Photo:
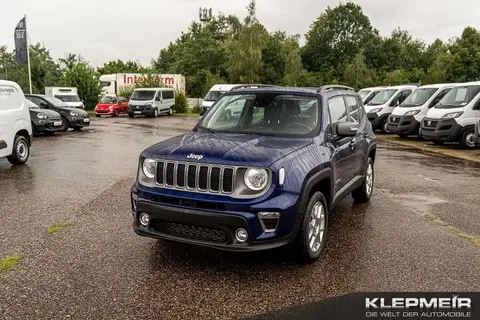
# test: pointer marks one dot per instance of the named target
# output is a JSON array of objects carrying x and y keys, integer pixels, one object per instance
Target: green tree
[
  {"x": 357, "y": 74},
  {"x": 465, "y": 51},
  {"x": 86, "y": 80},
  {"x": 119, "y": 66},
  {"x": 294, "y": 73}
]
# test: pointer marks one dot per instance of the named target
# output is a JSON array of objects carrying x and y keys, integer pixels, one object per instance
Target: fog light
[
  {"x": 241, "y": 235},
  {"x": 144, "y": 219}
]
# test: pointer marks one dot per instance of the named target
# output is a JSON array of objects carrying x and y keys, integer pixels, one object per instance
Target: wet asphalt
[{"x": 420, "y": 232}]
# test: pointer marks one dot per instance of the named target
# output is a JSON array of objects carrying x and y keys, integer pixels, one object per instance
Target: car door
[
  {"x": 341, "y": 147},
  {"x": 359, "y": 144},
  {"x": 124, "y": 104},
  {"x": 168, "y": 99}
]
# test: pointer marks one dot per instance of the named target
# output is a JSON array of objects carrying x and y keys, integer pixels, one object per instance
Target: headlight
[
  {"x": 41, "y": 116},
  {"x": 110, "y": 108},
  {"x": 412, "y": 113},
  {"x": 74, "y": 114},
  {"x": 375, "y": 110},
  {"x": 452, "y": 115},
  {"x": 148, "y": 168},
  {"x": 256, "y": 179}
]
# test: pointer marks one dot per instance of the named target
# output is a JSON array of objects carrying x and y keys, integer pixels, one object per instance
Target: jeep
[{"x": 263, "y": 179}]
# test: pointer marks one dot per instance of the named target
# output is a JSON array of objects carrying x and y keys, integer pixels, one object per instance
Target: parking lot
[{"x": 420, "y": 232}]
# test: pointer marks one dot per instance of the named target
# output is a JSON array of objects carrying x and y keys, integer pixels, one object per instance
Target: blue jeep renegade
[{"x": 262, "y": 169}]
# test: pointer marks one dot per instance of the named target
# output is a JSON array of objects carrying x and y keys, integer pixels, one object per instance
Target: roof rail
[
  {"x": 329, "y": 87},
  {"x": 245, "y": 86}
]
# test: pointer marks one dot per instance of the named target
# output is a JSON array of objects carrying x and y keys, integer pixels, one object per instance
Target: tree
[
  {"x": 86, "y": 80},
  {"x": 465, "y": 51},
  {"x": 245, "y": 52},
  {"x": 357, "y": 74},
  {"x": 335, "y": 38},
  {"x": 295, "y": 74},
  {"x": 120, "y": 67}
]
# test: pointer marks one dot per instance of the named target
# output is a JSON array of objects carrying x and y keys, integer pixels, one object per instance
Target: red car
[{"x": 111, "y": 106}]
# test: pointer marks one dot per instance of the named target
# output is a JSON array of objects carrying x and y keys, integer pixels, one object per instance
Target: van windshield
[
  {"x": 143, "y": 95},
  {"x": 363, "y": 93},
  {"x": 418, "y": 97},
  {"x": 213, "y": 95},
  {"x": 264, "y": 113},
  {"x": 68, "y": 98},
  {"x": 458, "y": 97},
  {"x": 382, "y": 97}
]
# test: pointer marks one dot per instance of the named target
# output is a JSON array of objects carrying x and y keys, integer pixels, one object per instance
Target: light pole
[{"x": 205, "y": 15}]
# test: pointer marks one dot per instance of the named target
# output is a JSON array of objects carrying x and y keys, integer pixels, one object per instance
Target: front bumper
[
  {"x": 376, "y": 120},
  {"x": 141, "y": 110},
  {"x": 441, "y": 130},
  {"x": 404, "y": 125},
  {"x": 47, "y": 125},
  {"x": 105, "y": 112},
  {"x": 196, "y": 223},
  {"x": 79, "y": 122}
]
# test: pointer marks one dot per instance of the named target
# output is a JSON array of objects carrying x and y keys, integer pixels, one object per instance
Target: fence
[{"x": 192, "y": 102}]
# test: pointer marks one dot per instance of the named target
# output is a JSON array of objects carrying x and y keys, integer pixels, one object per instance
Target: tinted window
[
  {"x": 168, "y": 94},
  {"x": 354, "y": 108},
  {"x": 338, "y": 112},
  {"x": 405, "y": 95},
  {"x": 143, "y": 95}
]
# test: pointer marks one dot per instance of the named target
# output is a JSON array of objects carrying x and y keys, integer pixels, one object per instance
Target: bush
[
  {"x": 196, "y": 108},
  {"x": 126, "y": 91},
  {"x": 181, "y": 103}
]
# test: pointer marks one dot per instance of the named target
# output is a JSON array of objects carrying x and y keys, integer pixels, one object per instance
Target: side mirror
[
  {"x": 347, "y": 129},
  {"x": 43, "y": 104}
]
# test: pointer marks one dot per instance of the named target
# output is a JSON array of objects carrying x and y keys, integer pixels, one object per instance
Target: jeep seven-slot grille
[{"x": 195, "y": 177}]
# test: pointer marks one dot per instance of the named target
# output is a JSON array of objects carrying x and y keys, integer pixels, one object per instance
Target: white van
[
  {"x": 367, "y": 94},
  {"x": 15, "y": 125},
  {"x": 454, "y": 117},
  {"x": 382, "y": 105},
  {"x": 406, "y": 118},
  {"x": 151, "y": 102},
  {"x": 213, "y": 94},
  {"x": 69, "y": 95}
]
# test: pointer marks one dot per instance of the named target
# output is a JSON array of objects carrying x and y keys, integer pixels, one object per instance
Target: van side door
[
  {"x": 157, "y": 101},
  {"x": 359, "y": 144},
  {"x": 168, "y": 99}
]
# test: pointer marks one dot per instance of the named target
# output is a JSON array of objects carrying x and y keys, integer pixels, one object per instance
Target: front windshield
[
  {"x": 56, "y": 102},
  {"x": 458, "y": 97},
  {"x": 418, "y": 97},
  {"x": 68, "y": 98},
  {"x": 275, "y": 114},
  {"x": 213, "y": 95},
  {"x": 382, "y": 97},
  {"x": 143, "y": 95},
  {"x": 363, "y": 93},
  {"x": 109, "y": 100}
]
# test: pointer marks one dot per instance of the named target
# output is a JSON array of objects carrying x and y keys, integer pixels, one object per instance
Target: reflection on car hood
[
  {"x": 77, "y": 110},
  {"x": 228, "y": 149},
  {"x": 47, "y": 112}
]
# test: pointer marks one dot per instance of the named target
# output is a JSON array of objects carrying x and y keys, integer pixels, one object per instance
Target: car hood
[
  {"x": 140, "y": 102},
  {"x": 400, "y": 111},
  {"x": 77, "y": 110},
  {"x": 227, "y": 149},
  {"x": 49, "y": 113}
]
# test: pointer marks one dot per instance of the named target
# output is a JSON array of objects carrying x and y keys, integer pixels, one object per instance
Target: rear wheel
[
  {"x": 20, "y": 152},
  {"x": 468, "y": 138},
  {"x": 155, "y": 113},
  {"x": 364, "y": 192},
  {"x": 313, "y": 232}
]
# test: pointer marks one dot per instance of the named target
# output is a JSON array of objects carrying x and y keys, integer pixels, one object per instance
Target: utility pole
[{"x": 205, "y": 15}]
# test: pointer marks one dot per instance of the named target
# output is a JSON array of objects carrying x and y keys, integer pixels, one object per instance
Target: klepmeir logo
[{"x": 6, "y": 90}]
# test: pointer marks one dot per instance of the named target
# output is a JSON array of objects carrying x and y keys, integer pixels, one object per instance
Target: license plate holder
[
  {"x": 86, "y": 120},
  {"x": 57, "y": 123}
]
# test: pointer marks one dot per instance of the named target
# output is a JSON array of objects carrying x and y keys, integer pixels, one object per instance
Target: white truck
[
  {"x": 111, "y": 83},
  {"x": 69, "y": 95}
]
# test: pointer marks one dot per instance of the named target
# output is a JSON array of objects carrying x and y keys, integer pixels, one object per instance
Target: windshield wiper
[{"x": 207, "y": 129}]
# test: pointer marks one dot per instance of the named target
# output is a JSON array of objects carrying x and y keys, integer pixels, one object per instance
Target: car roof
[
  {"x": 152, "y": 89},
  {"x": 374, "y": 88},
  {"x": 226, "y": 86},
  {"x": 10, "y": 83},
  {"x": 292, "y": 90}
]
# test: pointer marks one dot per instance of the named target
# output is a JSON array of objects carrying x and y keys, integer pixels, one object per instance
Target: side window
[
  {"x": 338, "y": 112},
  {"x": 371, "y": 97},
  {"x": 439, "y": 97},
  {"x": 405, "y": 94},
  {"x": 354, "y": 108},
  {"x": 258, "y": 114},
  {"x": 167, "y": 94}
]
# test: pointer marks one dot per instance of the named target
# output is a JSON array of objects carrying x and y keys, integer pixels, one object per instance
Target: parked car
[
  {"x": 151, "y": 102},
  {"x": 455, "y": 116},
  {"x": 15, "y": 125},
  {"x": 406, "y": 118},
  {"x": 43, "y": 120},
  {"x": 213, "y": 94},
  {"x": 111, "y": 106},
  {"x": 265, "y": 180},
  {"x": 380, "y": 107},
  {"x": 367, "y": 94},
  {"x": 74, "y": 118}
]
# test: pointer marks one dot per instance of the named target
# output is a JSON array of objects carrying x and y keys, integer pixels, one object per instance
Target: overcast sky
[{"x": 104, "y": 30}]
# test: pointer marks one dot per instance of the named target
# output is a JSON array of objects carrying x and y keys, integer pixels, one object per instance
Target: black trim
[
  {"x": 377, "y": 120},
  {"x": 445, "y": 130},
  {"x": 406, "y": 125},
  {"x": 225, "y": 222},
  {"x": 3, "y": 144},
  {"x": 310, "y": 183}
]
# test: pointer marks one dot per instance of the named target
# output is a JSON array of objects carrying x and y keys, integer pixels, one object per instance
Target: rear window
[
  {"x": 10, "y": 98},
  {"x": 167, "y": 94}
]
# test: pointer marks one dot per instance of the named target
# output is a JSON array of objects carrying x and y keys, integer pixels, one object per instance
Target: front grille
[
  {"x": 55, "y": 118},
  {"x": 195, "y": 177},
  {"x": 189, "y": 231},
  {"x": 394, "y": 119},
  {"x": 430, "y": 123}
]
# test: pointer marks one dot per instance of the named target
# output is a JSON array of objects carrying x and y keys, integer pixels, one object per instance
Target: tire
[
  {"x": 309, "y": 254},
  {"x": 467, "y": 139},
  {"x": 170, "y": 111},
  {"x": 130, "y": 115},
  {"x": 116, "y": 114},
  {"x": 155, "y": 113},
  {"x": 363, "y": 193},
  {"x": 20, "y": 151},
  {"x": 384, "y": 127},
  {"x": 65, "y": 125},
  {"x": 97, "y": 115}
]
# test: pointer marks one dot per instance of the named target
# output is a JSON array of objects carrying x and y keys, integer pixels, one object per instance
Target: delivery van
[
  {"x": 382, "y": 105},
  {"x": 15, "y": 125},
  {"x": 367, "y": 94},
  {"x": 213, "y": 94},
  {"x": 406, "y": 118},
  {"x": 69, "y": 95},
  {"x": 151, "y": 102},
  {"x": 454, "y": 118}
]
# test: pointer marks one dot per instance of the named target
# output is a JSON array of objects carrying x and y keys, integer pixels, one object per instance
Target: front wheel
[
  {"x": 170, "y": 111},
  {"x": 20, "y": 152},
  {"x": 155, "y": 113},
  {"x": 116, "y": 114},
  {"x": 364, "y": 192},
  {"x": 312, "y": 235},
  {"x": 65, "y": 125},
  {"x": 468, "y": 138},
  {"x": 384, "y": 127}
]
